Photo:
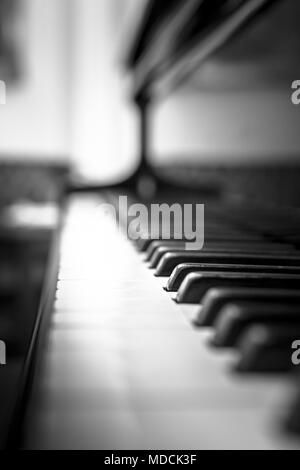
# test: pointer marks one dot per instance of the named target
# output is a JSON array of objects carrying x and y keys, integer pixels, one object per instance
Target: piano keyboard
[{"x": 153, "y": 347}]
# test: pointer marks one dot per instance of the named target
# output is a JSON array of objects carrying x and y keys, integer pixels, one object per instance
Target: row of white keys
[{"x": 123, "y": 368}]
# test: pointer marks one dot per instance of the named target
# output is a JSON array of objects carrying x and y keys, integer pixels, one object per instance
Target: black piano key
[
  {"x": 217, "y": 298},
  {"x": 181, "y": 271},
  {"x": 235, "y": 319},
  {"x": 196, "y": 285},
  {"x": 157, "y": 233},
  {"x": 218, "y": 244},
  {"x": 144, "y": 242},
  {"x": 267, "y": 348},
  {"x": 165, "y": 244},
  {"x": 171, "y": 260},
  {"x": 214, "y": 248}
]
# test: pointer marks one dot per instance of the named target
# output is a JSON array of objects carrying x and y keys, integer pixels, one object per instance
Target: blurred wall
[
  {"x": 104, "y": 129},
  {"x": 227, "y": 127},
  {"x": 35, "y": 120}
]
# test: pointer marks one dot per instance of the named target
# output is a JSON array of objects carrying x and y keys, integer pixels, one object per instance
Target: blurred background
[
  {"x": 65, "y": 99},
  {"x": 68, "y": 96}
]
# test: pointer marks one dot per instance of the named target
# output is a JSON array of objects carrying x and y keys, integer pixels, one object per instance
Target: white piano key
[{"x": 123, "y": 367}]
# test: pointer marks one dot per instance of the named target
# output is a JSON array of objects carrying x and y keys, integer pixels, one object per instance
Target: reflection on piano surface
[{"x": 150, "y": 345}]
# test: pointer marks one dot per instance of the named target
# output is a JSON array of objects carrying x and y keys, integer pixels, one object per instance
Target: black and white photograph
[{"x": 150, "y": 228}]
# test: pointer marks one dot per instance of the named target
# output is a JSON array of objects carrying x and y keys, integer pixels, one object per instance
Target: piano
[{"x": 145, "y": 344}]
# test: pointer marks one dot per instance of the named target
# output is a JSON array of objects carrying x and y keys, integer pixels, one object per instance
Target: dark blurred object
[
  {"x": 30, "y": 199},
  {"x": 171, "y": 45},
  {"x": 220, "y": 46},
  {"x": 272, "y": 183},
  {"x": 34, "y": 182},
  {"x": 23, "y": 262},
  {"x": 9, "y": 63}
]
